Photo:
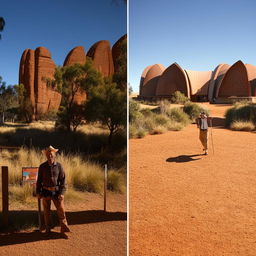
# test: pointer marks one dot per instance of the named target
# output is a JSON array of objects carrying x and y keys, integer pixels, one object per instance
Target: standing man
[
  {"x": 51, "y": 186},
  {"x": 203, "y": 125}
]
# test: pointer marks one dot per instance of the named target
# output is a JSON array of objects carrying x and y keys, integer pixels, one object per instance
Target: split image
[{"x": 62, "y": 138}]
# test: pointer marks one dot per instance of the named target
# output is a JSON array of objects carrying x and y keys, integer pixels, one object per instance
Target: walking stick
[
  {"x": 39, "y": 213},
  {"x": 212, "y": 138}
]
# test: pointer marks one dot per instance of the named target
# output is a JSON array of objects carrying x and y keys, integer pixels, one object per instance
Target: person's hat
[{"x": 50, "y": 149}]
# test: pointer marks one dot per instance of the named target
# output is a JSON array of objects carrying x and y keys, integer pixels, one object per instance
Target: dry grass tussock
[
  {"x": 81, "y": 175},
  {"x": 50, "y": 126},
  {"x": 242, "y": 126},
  {"x": 164, "y": 118}
]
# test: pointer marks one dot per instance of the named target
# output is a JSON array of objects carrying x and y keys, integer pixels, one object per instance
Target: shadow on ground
[
  {"x": 9, "y": 237},
  {"x": 183, "y": 158},
  {"x": 218, "y": 122}
]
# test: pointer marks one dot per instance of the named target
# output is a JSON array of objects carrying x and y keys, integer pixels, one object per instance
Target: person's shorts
[{"x": 48, "y": 193}]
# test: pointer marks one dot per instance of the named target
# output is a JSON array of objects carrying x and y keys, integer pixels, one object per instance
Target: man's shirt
[
  {"x": 203, "y": 123},
  {"x": 51, "y": 176}
]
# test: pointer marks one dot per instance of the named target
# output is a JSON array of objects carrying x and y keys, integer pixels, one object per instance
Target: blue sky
[
  {"x": 197, "y": 34},
  {"x": 58, "y": 25}
]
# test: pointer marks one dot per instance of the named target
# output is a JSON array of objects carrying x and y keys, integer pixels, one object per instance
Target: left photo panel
[{"x": 63, "y": 127}]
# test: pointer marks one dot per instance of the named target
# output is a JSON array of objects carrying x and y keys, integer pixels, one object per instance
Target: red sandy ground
[
  {"x": 93, "y": 232},
  {"x": 183, "y": 204}
]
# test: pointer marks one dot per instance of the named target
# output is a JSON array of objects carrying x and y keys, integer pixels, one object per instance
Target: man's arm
[
  {"x": 198, "y": 122},
  {"x": 39, "y": 181},
  {"x": 61, "y": 180}
]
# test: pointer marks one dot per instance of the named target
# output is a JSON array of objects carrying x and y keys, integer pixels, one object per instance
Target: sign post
[
  {"x": 5, "y": 198},
  {"x": 105, "y": 187}
]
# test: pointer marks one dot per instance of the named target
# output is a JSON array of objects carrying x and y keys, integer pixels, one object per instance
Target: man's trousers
[
  {"x": 59, "y": 204},
  {"x": 203, "y": 136}
]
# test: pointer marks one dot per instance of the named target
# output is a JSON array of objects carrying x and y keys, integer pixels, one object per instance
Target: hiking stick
[
  {"x": 39, "y": 213},
  {"x": 212, "y": 138}
]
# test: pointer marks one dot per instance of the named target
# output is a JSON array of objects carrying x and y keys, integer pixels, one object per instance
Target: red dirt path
[
  {"x": 182, "y": 203},
  {"x": 93, "y": 232}
]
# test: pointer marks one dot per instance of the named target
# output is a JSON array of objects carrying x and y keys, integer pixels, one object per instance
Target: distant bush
[
  {"x": 193, "y": 110},
  {"x": 242, "y": 126},
  {"x": 242, "y": 112},
  {"x": 164, "y": 106},
  {"x": 158, "y": 121},
  {"x": 178, "y": 115},
  {"x": 179, "y": 98},
  {"x": 134, "y": 108}
]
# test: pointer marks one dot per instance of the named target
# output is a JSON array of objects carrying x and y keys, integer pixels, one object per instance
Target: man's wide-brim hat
[{"x": 50, "y": 149}]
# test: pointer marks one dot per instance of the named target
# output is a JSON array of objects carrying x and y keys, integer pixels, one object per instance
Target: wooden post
[
  {"x": 105, "y": 187},
  {"x": 5, "y": 199}
]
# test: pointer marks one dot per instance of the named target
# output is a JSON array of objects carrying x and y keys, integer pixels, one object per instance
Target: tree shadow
[
  {"x": 183, "y": 158},
  {"x": 10, "y": 237}
]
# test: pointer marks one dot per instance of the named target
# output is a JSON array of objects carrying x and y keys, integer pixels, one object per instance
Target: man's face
[{"x": 51, "y": 156}]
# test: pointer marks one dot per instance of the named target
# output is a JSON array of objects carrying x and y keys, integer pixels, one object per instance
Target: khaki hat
[{"x": 50, "y": 149}]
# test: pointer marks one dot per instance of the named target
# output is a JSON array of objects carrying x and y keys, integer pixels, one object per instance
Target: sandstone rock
[
  {"x": 22, "y": 66},
  {"x": 117, "y": 50},
  {"x": 101, "y": 55},
  {"x": 76, "y": 55},
  {"x": 34, "y": 66}
]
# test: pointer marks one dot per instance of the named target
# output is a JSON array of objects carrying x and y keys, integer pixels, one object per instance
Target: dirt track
[
  {"x": 94, "y": 232},
  {"x": 184, "y": 203}
]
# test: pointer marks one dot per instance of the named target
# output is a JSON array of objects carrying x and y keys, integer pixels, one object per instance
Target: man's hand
[{"x": 61, "y": 197}]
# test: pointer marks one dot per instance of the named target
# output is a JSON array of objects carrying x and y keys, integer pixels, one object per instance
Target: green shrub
[
  {"x": 241, "y": 111},
  {"x": 134, "y": 108},
  {"x": 178, "y": 115},
  {"x": 164, "y": 106},
  {"x": 179, "y": 98},
  {"x": 193, "y": 110},
  {"x": 161, "y": 120},
  {"x": 175, "y": 126},
  {"x": 146, "y": 112},
  {"x": 242, "y": 126}
]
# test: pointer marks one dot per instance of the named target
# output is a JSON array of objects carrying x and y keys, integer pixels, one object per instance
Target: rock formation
[
  {"x": 34, "y": 66},
  {"x": 77, "y": 55},
  {"x": 117, "y": 50},
  {"x": 101, "y": 55}
]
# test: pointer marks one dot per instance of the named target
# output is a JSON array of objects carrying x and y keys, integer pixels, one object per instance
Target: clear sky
[
  {"x": 58, "y": 25},
  {"x": 197, "y": 34}
]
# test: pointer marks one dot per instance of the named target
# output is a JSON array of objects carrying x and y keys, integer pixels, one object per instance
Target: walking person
[
  {"x": 203, "y": 125},
  {"x": 50, "y": 186}
]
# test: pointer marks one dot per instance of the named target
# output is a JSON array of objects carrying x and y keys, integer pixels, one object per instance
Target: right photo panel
[{"x": 192, "y": 118}]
